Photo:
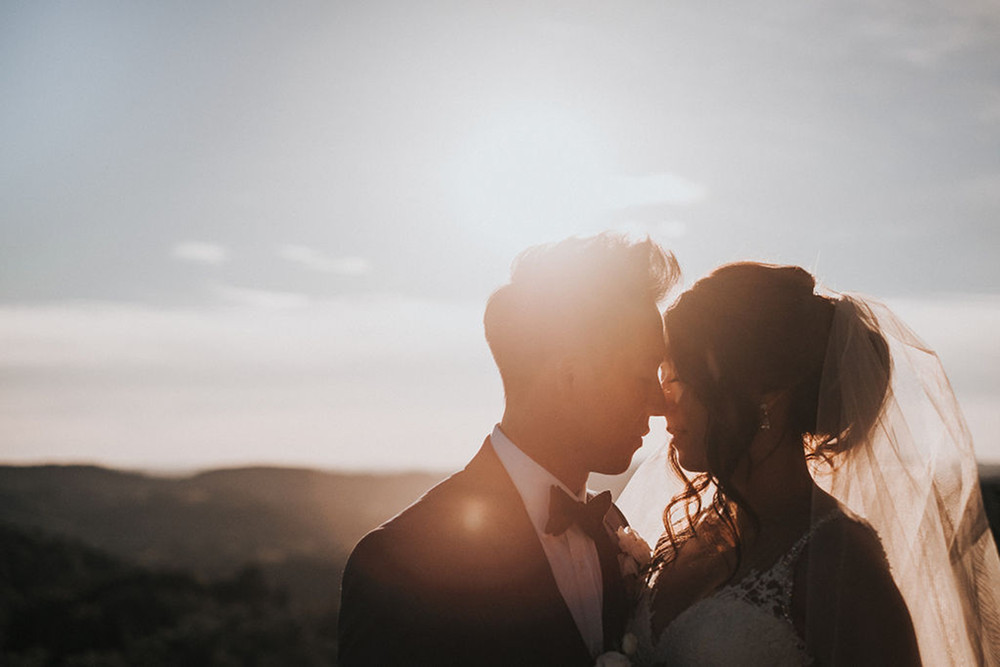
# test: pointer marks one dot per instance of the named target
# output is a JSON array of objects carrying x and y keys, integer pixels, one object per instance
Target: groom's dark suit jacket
[{"x": 459, "y": 577}]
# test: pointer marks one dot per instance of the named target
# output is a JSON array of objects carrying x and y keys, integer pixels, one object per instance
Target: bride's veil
[{"x": 912, "y": 475}]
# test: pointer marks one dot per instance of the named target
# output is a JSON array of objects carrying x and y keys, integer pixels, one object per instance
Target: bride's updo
[{"x": 748, "y": 330}]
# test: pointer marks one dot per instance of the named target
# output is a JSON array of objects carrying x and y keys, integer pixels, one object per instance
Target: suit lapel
[
  {"x": 518, "y": 556},
  {"x": 615, "y": 610}
]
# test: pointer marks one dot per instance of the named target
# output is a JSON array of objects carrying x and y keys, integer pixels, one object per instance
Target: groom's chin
[
  {"x": 615, "y": 470},
  {"x": 615, "y": 467}
]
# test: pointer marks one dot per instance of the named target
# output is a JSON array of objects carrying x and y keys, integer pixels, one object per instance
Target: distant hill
[
  {"x": 989, "y": 473},
  {"x": 238, "y": 566},
  {"x": 298, "y": 525}
]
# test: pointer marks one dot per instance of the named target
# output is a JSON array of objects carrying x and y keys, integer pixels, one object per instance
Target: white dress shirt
[{"x": 572, "y": 555}]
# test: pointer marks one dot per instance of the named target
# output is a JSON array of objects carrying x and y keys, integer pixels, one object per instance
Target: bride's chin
[{"x": 688, "y": 462}]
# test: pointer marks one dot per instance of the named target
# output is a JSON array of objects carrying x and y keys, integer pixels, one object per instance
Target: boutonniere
[
  {"x": 635, "y": 554},
  {"x": 613, "y": 659},
  {"x": 634, "y": 559},
  {"x": 621, "y": 658}
]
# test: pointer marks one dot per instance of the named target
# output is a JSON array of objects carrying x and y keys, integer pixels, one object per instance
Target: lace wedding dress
[{"x": 746, "y": 623}]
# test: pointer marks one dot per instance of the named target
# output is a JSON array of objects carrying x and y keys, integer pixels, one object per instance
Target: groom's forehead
[
  {"x": 653, "y": 350},
  {"x": 644, "y": 325},
  {"x": 640, "y": 336}
]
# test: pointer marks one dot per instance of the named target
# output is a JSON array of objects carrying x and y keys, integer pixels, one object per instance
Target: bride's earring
[{"x": 765, "y": 418}]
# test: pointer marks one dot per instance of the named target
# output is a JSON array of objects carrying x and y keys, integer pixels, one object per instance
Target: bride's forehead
[{"x": 668, "y": 357}]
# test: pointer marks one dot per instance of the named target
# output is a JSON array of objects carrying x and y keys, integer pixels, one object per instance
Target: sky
[{"x": 241, "y": 233}]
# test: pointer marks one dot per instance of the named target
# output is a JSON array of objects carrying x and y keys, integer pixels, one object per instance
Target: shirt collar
[{"x": 533, "y": 482}]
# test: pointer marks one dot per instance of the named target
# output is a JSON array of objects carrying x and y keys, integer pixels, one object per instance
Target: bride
[{"x": 830, "y": 511}]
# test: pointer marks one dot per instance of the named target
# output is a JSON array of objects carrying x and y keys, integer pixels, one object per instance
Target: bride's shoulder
[
  {"x": 848, "y": 552},
  {"x": 844, "y": 538},
  {"x": 845, "y": 592}
]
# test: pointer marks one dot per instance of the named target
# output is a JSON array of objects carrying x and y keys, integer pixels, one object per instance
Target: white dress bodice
[{"x": 744, "y": 623}]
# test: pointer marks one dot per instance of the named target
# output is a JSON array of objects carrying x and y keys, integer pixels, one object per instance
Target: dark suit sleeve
[
  {"x": 392, "y": 611},
  {"x": 373, "y": 623}
]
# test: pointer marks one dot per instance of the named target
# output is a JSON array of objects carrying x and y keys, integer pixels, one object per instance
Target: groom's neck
[{"x": 546, "y": 446}]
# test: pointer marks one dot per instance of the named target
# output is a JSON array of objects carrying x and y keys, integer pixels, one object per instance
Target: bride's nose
[{"x": 670, "y": 397}]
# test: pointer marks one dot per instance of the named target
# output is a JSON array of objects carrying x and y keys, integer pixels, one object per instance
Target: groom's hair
[{"x": 581, "y": 293}]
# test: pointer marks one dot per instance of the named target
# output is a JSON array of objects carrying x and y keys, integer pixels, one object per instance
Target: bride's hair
[{"x": 747, "y": 330}]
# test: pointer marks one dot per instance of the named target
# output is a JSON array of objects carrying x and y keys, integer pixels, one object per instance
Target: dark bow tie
[{"x": 565, "y": 510}]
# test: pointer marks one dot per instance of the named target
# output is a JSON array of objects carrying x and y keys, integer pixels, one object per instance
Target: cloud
[
  {"x": 314, "y": 260},
  {"x": 276, "y": 332},
  {"x": 650, "y": 189},
  {"x": 663, "y": 230},
  {"x": 258, "y": 298},
  {"x": 200, "y": 252},
  {"x": 940, "y": 31},
  {"x": 351, "y": 381},
  {"x": 358, "y": 382}
]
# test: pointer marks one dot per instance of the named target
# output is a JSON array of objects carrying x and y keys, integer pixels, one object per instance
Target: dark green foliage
[{"x": 62, "y": 603}]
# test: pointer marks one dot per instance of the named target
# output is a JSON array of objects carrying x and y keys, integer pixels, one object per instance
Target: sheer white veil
[{"x": 913, "y": 477}]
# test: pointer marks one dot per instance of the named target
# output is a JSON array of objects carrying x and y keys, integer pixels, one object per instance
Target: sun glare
[{"x": 527, "y": 174}]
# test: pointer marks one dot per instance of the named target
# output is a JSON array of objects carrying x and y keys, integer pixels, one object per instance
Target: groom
[{"x": 505, "y": 562}]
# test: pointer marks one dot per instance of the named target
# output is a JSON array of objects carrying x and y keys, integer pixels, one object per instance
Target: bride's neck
[{"x": 776, "y": 483}]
